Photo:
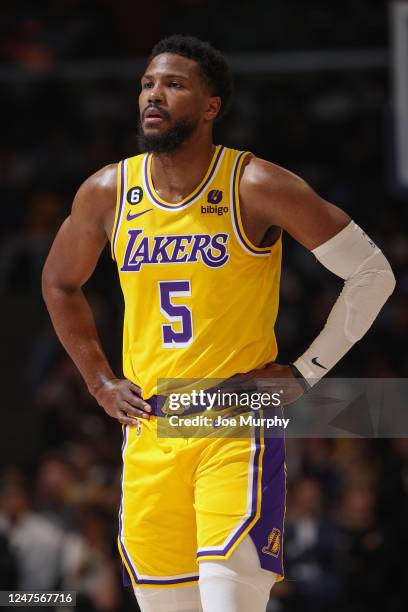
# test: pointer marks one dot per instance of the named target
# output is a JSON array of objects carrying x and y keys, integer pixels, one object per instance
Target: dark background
[{"x": 69, "y": 82}]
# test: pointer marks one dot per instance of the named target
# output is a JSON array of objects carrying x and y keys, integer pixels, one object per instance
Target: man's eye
[
  {"x": 175, "y": 84},
  {"x": 147, "y": 85}
]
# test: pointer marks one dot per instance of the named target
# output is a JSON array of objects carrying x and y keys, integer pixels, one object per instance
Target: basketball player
[{"x": 195, "y": 230}]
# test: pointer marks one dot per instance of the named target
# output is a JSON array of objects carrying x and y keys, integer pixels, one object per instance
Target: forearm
[
  {"x": 369, "y": 282},
  {"x": 74, "y": 324}
]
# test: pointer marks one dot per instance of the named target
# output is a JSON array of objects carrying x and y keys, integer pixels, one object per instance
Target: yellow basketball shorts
[{"x": 189, "y": 499}]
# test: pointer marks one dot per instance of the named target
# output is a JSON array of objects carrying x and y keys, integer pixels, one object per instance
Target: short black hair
[{"x": 213, "y": 65}]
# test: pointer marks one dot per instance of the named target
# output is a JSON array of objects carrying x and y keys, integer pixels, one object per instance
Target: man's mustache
[{"x": 160, "y": 111}]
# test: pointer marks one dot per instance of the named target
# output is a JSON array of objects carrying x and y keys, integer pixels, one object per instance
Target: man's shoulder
[
  {"x": 271, "y": 191},
  {"x": 96, "y": 198},
  {"x": 104, "y": 181},
  {"x": 255, "y": 170},
  {"x": 98, "y": 191},
  {"x": 259, "y": 173}
]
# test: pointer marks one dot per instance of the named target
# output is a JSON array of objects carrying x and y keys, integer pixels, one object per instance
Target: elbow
[
  {"x": 381, "y": 285},
  {"x": 49, "y": 283},
  {"x": 54, "y": 286},
  {"x": 382, "y": 278},
  {"x": 389, "y": 281},
  {"x": 45, "y": 284},
  {"x": 393, "y": 282}
]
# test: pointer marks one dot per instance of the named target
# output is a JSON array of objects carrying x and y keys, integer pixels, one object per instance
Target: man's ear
[{"x": 213, "y": 108}]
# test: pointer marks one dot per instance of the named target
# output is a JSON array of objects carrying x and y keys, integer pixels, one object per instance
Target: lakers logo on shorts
[{"x": 274, "y": 543}]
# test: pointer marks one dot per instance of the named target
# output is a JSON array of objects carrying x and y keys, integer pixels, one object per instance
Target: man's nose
[{"x": 156, "y": 93}]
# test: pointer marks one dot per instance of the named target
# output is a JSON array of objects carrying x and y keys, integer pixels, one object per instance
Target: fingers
[
  {"x": 134, "y": 397},
  {"x": 134, "y": 388},
  {"x": 136, "y": 401},
  {"x": 126, "y": 420},
  {"x": 134, "y": 411},
  {"x": 122, "y": 400}
]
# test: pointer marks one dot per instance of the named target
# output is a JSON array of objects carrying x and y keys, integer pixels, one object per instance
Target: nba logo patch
[
  {"x": 274, "y": 543},
  {"x": 214, "y": 196}
]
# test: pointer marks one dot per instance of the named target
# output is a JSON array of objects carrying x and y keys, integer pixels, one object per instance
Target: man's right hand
[{"x": 122, "y": 400}]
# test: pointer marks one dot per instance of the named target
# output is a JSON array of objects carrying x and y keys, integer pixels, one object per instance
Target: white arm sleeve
[{"x": 369, "y": 281}]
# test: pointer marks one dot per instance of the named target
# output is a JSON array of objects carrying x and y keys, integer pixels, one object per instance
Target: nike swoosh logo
[
  {"x": 314, "y": 360},
  {"x": 129, "y": 216}
]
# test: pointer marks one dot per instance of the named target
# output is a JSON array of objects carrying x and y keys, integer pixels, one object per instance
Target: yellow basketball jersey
[{"x": 200, "y": 299}]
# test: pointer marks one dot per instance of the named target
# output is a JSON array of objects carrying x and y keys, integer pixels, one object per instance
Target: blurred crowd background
[{"x": 66, "y": 113}]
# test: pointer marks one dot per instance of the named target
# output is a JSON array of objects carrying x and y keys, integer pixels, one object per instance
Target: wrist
[
  {"x": 95, "y": 386},
  {"x": 298, "y": 374}
]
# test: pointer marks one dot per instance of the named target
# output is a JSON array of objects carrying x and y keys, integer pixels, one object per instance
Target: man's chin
[
  {"x": 154, "y": 130},
  {"x": 156, "y": 139}
]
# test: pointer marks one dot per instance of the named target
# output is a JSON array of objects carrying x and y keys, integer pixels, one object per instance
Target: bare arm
[
  {"x": 71, "y": 261},
  {"x": 274, "y": 197}
]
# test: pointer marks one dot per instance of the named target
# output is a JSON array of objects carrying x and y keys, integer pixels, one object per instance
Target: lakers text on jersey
[{"x": 190, "y": 278}]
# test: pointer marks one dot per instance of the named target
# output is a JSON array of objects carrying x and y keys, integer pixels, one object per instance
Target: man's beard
[{"x": 169, "y": 141}]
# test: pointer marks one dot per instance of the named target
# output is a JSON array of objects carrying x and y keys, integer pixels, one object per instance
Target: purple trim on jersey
[
  {"x": 122, "y": 186},
  {"x": 220, "y": 553},
  {"x": 273, "y": 502},
  {"x": 193, "y": 197},
  {"x": 235, "y": 212}
]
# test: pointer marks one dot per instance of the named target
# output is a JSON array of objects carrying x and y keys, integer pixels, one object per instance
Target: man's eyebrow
[{"x": 170, "y": 76}]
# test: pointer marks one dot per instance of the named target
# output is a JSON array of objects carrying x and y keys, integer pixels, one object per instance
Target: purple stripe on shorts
[
  {"x": 126, "y": 581},
  {"x": 254, "y": 492},
  {"x": 167, "y": 581},
  {"x": 121, "y": 543},
  {"x": 270, "y": 526},
  {"x": 193, "y": 197},
  {"x": 121, "y": 198}
]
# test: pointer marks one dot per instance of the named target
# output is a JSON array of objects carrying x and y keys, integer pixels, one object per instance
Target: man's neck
[{"x": 175, "y": 175}]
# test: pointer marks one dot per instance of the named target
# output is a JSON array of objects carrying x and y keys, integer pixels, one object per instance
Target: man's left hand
[{"x": 276, "y": 378}]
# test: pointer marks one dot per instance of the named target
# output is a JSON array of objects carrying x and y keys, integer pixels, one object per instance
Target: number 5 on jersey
[{"x": 176, "y": 313}]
